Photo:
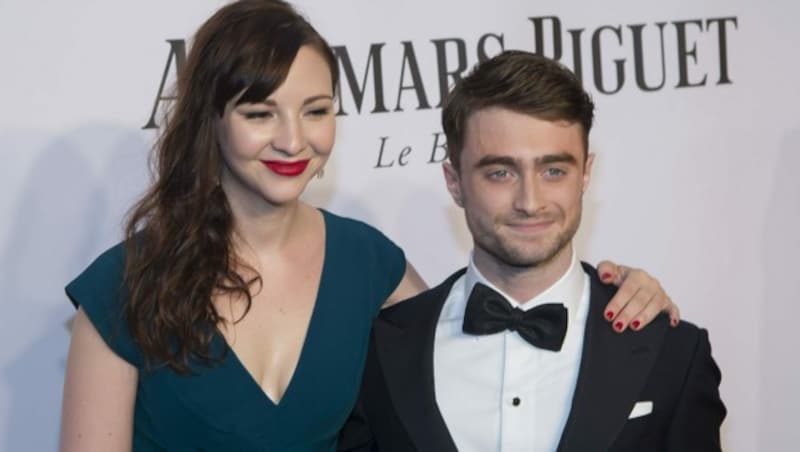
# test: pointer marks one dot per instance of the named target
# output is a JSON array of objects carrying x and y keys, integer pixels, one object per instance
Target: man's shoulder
[
  {"x": 686, "y": 335},
  {"x": 601, "y": 292}
]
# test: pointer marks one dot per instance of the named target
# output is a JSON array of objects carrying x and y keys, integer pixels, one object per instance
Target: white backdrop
[{"x": 695, "y": 183}]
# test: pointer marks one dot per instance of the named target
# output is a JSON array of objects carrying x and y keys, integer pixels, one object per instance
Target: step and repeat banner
[{"x": 695, "y": 176}]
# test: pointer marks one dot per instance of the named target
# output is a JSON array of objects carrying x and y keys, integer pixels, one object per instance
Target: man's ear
[
  {"x": 453, "y": 181},
  {"x": 587, "y": 171}
]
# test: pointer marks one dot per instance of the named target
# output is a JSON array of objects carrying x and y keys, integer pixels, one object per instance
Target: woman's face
[{"x": 271, "y": 149}]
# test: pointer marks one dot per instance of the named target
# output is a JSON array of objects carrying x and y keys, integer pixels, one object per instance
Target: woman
[{"x": 234, "y": 316}]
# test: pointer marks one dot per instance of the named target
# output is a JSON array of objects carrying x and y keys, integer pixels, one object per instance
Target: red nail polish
[
  {"x": 673, "y": 322},
  {"x": 636, "y": 324},
  {"x": 610, "y": 315},
  {"x": 618, "y": 326},
  {"x": 606, "y": 276}
]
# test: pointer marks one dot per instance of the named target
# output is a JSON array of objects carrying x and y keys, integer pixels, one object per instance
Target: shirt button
[{"x": 516, "y": 401}]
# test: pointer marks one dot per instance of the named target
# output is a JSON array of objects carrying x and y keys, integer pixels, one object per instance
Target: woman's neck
[{"x": 263, "y": 228}]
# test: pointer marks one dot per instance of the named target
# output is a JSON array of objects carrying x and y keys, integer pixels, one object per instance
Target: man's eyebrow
[
  {"x": 495, "y": 160},
  {"x": 561, "y": 157}
]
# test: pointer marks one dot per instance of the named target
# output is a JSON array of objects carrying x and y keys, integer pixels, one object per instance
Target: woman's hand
[{"x": 638, "y": 301}]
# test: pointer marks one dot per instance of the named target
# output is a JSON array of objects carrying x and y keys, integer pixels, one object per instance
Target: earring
[{"x": 320, "y": 173}]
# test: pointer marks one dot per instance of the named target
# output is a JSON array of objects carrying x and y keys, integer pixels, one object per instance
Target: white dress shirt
[{"x": 498, "y": 392}]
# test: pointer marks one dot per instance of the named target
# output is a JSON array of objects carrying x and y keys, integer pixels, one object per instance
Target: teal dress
[{"x": 222, "y": 408}]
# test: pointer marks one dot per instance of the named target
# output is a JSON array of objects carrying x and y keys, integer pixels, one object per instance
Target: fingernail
[
  {"x": 618, "y": 326},
  {"x": 673, "y": 322},
  {"x": 609, "y": 315},
  {"x": 636, "y": 324},
  {"x": 606, "y": 276}
]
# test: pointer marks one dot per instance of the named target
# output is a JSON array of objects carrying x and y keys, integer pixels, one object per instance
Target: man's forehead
[{"x": 502, "y": 132}]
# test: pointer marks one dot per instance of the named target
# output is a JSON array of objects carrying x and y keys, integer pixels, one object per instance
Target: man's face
[{"x": 521, "y": 184}]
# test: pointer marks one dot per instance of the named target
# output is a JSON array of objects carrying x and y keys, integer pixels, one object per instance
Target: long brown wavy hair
[{"x": 178, "y": 236}]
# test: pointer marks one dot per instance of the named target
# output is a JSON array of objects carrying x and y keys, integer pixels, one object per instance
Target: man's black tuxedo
[{"x": 672, "y": 367}]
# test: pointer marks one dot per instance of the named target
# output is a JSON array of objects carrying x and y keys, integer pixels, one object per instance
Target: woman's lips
[{"x": 285, "y": 168}]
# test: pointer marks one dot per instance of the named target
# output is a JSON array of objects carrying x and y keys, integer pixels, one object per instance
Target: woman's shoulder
[
  {"x": 372, "y": 257},
  {"x": 100, "y": 291},
  {"x": 361, "y": 239},
  {"x": 105, "y": 273},
  {"x": 350, "y": 227}
]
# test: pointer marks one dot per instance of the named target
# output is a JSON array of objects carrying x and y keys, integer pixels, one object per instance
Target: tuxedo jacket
[{"x": 670, "y": 367}]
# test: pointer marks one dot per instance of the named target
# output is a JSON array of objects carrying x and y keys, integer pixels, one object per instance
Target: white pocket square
[{"x": 640, "y": 409}]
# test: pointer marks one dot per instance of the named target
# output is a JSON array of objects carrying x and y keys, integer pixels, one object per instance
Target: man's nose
[{"x": 528, "y": 196}]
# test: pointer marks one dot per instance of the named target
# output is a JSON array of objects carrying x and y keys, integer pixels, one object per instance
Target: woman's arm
[
  {"x": 99, "y": 394},
  {"x": 638, "y": 301},
  {"x": 410, "y": 285}
]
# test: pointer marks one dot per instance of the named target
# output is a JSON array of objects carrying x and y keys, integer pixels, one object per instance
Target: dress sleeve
[
  {"x": 387, "y": 265},
  {"x": 99, "y": 290}
]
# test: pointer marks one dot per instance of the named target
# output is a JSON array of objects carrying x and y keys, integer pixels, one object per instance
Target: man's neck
[{"x": 523, "y": 283}]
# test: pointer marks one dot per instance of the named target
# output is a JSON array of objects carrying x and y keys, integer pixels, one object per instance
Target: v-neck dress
[{"x": 222, "y": 408}]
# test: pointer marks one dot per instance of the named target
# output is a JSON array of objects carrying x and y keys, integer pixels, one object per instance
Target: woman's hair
[{"x": 178, "y": 236}]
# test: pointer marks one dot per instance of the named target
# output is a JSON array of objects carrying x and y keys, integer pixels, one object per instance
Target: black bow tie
[{"x": 488, "y": 312}]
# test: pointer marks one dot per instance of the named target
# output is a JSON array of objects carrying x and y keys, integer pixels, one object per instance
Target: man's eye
[
  {"x": 554, "y": 172},
  {"x": 499, "y": 174}
]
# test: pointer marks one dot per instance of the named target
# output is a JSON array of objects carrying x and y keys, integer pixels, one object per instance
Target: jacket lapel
[
  {"x": 404, "y": 340},
  {"x": 614, "y": 369}
]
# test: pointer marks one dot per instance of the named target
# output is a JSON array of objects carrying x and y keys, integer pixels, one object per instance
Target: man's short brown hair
[{"x": 522, "y": 82}]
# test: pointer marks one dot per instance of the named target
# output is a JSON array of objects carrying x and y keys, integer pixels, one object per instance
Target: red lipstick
[{"x": 285, "y": 168}]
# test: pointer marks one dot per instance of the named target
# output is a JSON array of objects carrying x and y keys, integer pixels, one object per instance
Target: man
[{"x": 512, "y": 353}]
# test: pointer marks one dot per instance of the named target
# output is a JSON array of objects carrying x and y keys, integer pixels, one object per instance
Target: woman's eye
[
  {"x": 319, "y": 111},
  {"x": 258, "y": 114}
]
